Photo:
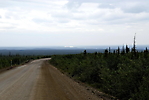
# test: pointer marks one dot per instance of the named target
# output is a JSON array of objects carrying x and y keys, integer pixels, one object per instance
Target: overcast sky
[{"x": 73, "y": 22}]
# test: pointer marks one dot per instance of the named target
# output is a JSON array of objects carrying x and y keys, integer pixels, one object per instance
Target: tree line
[
  {"x": 122, "y": 73},
  {"x": 14, "y": 60}
]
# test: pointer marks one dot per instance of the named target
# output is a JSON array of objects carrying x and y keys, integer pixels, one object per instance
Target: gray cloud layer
[
  {"x": 128, "y": 6},
  {"x": 92, "y": 17}
]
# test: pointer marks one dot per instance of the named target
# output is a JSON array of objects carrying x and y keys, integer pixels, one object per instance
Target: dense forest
[
  {"x": 14, "y": 60},
  {"x": 122, "y": 73}
]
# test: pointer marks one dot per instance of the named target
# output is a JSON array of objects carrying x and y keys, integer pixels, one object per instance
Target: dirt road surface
[{"x": 38, "y": 80}]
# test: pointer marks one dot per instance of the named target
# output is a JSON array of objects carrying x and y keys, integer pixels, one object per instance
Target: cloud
[
  {"x": 106, "y": 5},
  {"x": 6, "y": 25},
  {"x": 36, "y": 20},
  {"x": 128, "y": 6},
  {"x": 135, "y": 7},
  {"x": 6, "y": 28},
  {"x": 73, "y": 4},
  {"x": 111, "y": 12},
  {"x": 100, "y": 17},
  {"x": 93, "y": 12},
  {"x": 63, "y": 21},
  {"x": 61, "y": 14},
  {"x": 4, "y": 4}
]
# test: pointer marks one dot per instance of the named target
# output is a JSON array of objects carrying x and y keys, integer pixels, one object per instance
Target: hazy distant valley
[{"x": 59, "y": 50}]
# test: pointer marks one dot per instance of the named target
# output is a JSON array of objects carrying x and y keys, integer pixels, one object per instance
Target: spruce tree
[{"x": 127, "y": 49}]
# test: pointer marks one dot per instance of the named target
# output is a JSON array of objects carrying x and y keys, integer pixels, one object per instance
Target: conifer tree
[
  {"x": 85, "y": 52},
  {"x": 134, "y": 46},
  {"x": 109, "y": 50},
  {"x": 123, "y": 50},
  {"x": 118, "y": 50},
  {"x": 106, "y": 52},
  {"x": 127, "y": 49}
]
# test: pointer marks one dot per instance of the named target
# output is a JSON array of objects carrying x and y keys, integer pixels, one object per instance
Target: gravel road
[{"x": 38, "y": 80}]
